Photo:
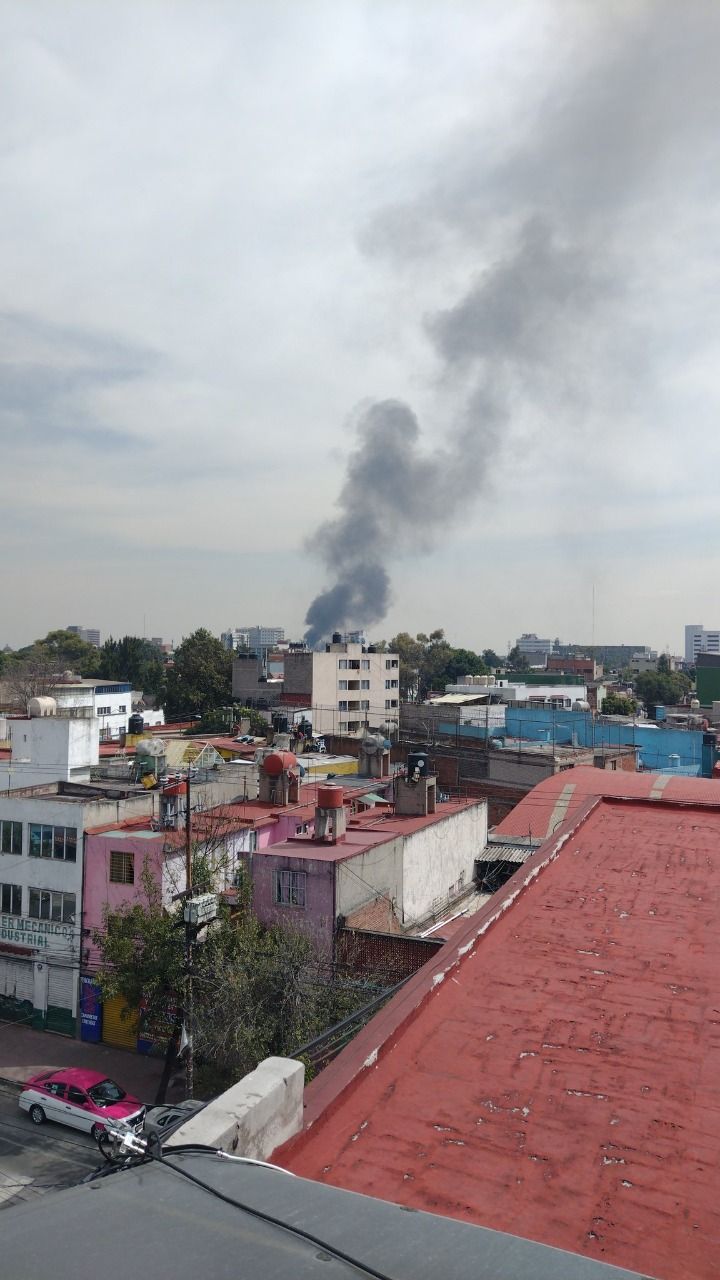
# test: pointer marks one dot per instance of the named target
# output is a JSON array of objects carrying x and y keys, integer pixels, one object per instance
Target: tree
[
  {"x": 200, "y": 678},
  {"x": 257, "y": 991},
  {"x": 517, "y": 660},
  {"x": 136, "y": 660},
  {"x": 32, "y": 676},
  {"x": 655, "y": 688},
  {"x": 491, "y": 659},
  {"x": 618, "y": 704}
]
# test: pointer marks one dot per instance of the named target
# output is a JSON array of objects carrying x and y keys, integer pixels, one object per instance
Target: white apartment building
[
  {"x": 698, "y": 640},
  {"x": 110, "y": 701},
  {"x": 533, "y": 647},
  {"x": 348, "y": 687}
]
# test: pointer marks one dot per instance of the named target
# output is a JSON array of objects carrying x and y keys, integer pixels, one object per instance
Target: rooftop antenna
[{"x": 593, "y": 619}]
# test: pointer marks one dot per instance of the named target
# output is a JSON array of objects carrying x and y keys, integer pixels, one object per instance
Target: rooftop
[
  {"x": 554, "y": 1071},
  {"x": 540, "y": 812},
  {"x": 366, "y": 831}
]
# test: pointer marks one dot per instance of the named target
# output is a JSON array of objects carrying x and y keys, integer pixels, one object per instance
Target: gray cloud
[{"x": 48, "y": 376}]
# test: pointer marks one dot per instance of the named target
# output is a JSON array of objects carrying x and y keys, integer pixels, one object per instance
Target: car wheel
[{"x": 37, "y": 1115}]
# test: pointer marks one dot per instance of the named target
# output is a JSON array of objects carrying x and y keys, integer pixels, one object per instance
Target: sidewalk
[{"x": 25, "y": 1053}]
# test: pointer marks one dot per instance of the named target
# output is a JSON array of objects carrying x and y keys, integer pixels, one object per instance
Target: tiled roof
[{"x": 554, "y": 1071}]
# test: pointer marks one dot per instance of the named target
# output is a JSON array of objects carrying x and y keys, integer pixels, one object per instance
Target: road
[{"x": 36, "y": 1158}]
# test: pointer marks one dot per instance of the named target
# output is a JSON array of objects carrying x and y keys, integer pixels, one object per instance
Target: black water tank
[
  {"x": 337, "y": 637},
  {"x": 418, "y": 762},
  {"x": 136, "y": 723},
  {"x": 279, "y": 723}
]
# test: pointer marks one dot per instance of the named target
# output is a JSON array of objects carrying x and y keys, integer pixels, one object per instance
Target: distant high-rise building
[
  {"x": 698, "y": 640},
  {"x": 90, "y": 635},
  {"x": 533, "y": 648},
  {"x": 258, "y": 639}
]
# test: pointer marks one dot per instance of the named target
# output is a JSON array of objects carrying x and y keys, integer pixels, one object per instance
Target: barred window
[{"x": 122, "y": 867}]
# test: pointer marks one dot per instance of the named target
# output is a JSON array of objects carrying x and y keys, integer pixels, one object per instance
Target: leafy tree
[
  {"x": 618, "y": 704},
  {"x": 517, "y": 661},
  {"x": 491, "y": 659},
  {"x": 32, "y": 675},
  {"x": 136, "y": 660},
  {"x": 655, "y": 687},
  {"x": 200, "y": 678},
  {"x": 257, "y": 991}
]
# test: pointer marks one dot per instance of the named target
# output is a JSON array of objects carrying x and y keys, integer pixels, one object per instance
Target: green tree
[
  {"x": 618, "y": 704},
  {"x": 491, "y": 659},
  {"x": 200, "y": 678},
  {"x": 517, "y": 660},
  {"x": 136, "y": 660},
  {"x": 654, "y": 687},
  {"x": 257, "y": 991}
]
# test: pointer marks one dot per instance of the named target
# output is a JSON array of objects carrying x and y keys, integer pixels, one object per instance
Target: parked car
[
  {"x": 164, "y": 1120},
  {"x": 85, "y": 1100}
]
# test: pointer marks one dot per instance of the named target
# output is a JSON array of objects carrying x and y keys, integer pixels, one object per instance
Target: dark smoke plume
[
  {"x": 396, "y": 497},
  {"x": 538, "y": 336}
]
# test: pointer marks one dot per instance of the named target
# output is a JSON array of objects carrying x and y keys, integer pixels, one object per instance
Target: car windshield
[{"x": 105, "y": 1092}]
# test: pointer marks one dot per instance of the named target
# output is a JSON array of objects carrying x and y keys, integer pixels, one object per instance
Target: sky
[{"x": 243, "y": 245}]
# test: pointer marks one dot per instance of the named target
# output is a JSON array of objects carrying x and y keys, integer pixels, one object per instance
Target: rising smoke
[{"x": 538, "y": 327}]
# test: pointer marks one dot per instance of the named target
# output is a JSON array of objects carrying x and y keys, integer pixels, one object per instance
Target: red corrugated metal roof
[
  {"x": 540, "y": 812},
  {"x": 555, "y": 1072}
]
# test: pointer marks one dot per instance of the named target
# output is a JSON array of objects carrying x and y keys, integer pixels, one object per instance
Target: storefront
[{"x": 39, "y": 973}]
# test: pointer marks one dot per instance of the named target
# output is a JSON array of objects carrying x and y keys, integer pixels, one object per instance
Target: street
[{"x": 35, "y": 1159}]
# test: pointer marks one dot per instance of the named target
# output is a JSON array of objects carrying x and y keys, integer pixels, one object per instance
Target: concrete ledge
[{"x": 256, "y": 1115}]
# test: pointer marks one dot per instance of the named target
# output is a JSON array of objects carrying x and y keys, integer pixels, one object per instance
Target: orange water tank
[
  {"x": 330, "y": 797},
  {"x": 279, "y": 762}
]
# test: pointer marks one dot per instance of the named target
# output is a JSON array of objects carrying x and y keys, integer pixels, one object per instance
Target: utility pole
[{"x": 189, "y": 933}]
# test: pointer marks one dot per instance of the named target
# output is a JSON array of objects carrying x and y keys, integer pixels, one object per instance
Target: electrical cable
[{"x": 270, "y": 1218}]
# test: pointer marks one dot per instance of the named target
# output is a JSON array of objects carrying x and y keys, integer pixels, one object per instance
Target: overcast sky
[{"x": 228, "y": 229}]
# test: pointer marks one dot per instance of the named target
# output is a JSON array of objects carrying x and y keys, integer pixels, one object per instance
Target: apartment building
[
  {"x": 698, "y": 640},
  {"x": 348, "y": 687}
]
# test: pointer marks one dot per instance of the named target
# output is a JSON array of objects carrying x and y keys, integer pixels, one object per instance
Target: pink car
[{"x": 82, "y": 1099}]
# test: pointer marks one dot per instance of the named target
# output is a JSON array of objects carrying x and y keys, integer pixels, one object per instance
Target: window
[
  {"x": 343, "y": 664},
  {"x": 342, "y": 705},
  {"x": 390, "y": 663},
  {"x": 56, "y": 1089},
  {"x": 122, "y": 707},
  {"x": 364, "y": 684},
  {"x": 103, "y": 711},
  {"x": 122, "y": 867},
  {"x": 390, "y": 703},
  {"x": 11, "y": 899},
  {"x": 47, "y": 904},
  {"x": 53, "y": 842},
  {"x": 289, "y": 888},
  {"x": 365, "y": 706},
  {"x": 365, "y": 664},
  {"x": 10, "y": 837},
  {"x": 353, "y": 726},
  {"x": 342, "y": 684},
  {"x": 76, "y": 1095},
  {"x": 391, "y": 684}
]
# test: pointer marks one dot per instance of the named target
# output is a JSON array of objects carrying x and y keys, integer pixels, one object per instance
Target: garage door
[
  {"x": 118, "y": 1030},
  {"x": 61, "y": 988},
  {"x": 17, "y": 986}
]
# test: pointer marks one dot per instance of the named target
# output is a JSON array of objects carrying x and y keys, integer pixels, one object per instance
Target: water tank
[
  {"x": 694, "y": 704},
  {"x": 278, "y": 762},
  {"x": 418, "y": 762},
  {"x": 279, "y": 722},
  {"x": 136, "y": 723},
  {"x": 42, "y": 706},
  {"x": 581, "y": 705},
  {"x": 330, "y": 797},
  {"x": 337, "y": 637}
]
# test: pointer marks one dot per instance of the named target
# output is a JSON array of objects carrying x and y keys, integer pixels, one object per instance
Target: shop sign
[{"x": 34, "y": 933}]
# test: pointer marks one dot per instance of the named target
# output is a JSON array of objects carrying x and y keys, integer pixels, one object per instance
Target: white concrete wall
[
  {"x": 435, "y": 858},
  {"x": 50, "y": 749},
  {"x": 254, "y": 1117},
  {"x": 362, "y": 878}
]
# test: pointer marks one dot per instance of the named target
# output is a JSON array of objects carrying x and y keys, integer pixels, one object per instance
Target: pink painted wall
[{"x": 98, "y": 890}]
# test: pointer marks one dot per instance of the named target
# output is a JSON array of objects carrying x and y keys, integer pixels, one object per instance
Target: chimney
[{"x": 330, "y": 814}]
